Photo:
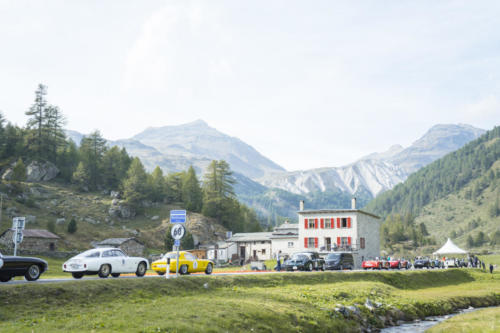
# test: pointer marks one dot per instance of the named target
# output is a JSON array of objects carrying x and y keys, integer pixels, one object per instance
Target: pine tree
[
  {"x": 72, "y": 226},
  {"x": 53, "y": 122},
  {"x": 92, "y": 150},
  {"x": 114, "y": 167},
  {"x": 192, "y": 195},
  {"x": 217, "y": 189},
  {"x": 81, "y": 176},
  {"x": 19, "y": 171},
  {"x": 157, "y": 185},
  {"x": 35, "y": 123},
  {"x": 134, "y": 186}
]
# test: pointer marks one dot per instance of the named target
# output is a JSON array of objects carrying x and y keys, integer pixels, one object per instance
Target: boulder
[
  {"x": 41, "y": 171},
  {"x": 126, "y": 212},
  {"x": 115, "y": 194},
  {"x": 60, "y": 221},
  {"x": 113, "y": 211},
  {"x": 7, "y": 175},
  {"x": 154, "y": 218},
  {"x": 30, "y": 218}
]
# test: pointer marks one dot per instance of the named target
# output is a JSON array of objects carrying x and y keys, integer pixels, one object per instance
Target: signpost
[
  {"x": 178, "y": 231},
  {"x": 18, "y": 227}
]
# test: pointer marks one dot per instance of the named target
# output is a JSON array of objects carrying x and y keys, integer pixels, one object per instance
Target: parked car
[
  {"x": 305, "y": 261},
  {"x": 422, "y": 263},
  {"x": 437, "y": 263},
  {"x": 188, "y": 263},
  {"x": 374, "y": 263},
  {"x": 103, "y": 262},
  {"x": 399, "y": 264},
  {"x": 30, "y": 268},
  {"x": 339, "y": 261}
]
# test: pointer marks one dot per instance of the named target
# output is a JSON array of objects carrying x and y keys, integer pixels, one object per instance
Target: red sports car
[
  {"x": 373, "y": 264},
  {"x": 398, "y": 263}
]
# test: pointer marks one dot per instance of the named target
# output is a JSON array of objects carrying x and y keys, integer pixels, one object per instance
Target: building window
[
  {"x": 52, "y": 247},
  {"x": 311, "y": 223},
  {"x": 328, "y": 223},
  {"x": 290, "y": 244},
  {"x": 263, "y": 251},
  {"x": 310, "y": 242},
  {"x": 362, "y": 242},
  {"x": 263, "y": 242},
  {"x": 343, "y": 241},
  {"x": 344, "y": 223}
]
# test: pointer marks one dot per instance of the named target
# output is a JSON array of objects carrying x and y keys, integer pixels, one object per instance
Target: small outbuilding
[
  {"x": 34, "y": 241},
  {"x": 131, "y": 246}
]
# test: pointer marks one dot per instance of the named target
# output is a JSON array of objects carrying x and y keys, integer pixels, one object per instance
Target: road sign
[
  {"x": 177, "y": 216},
  {"x": 17, "y": 237},
  {"x": 177, "y": 242},
  {"x": 18, "y": 223},
  {"x": 178, "y": 231}
]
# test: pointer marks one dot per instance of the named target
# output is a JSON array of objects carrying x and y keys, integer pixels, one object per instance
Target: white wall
[{"x": 282, "y": 244}]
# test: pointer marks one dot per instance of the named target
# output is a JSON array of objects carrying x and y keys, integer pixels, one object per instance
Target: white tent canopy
[{"x": 450, "y": 248}]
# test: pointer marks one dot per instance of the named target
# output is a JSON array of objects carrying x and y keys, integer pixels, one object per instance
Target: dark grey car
[{"x": 339, "y": 261}]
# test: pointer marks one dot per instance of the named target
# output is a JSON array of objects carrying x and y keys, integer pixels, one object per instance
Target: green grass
[
  {"x": 287, "y": 302},
  {"x": 484, "y": 320}
]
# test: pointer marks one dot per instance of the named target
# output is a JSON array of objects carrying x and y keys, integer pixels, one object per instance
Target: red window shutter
[
  {"x": 316, "y": 242},
  {"x": 349, "y": 240},
  {"x": 338, "y": 222},
  {"x": 315, "y": 223},
  {"x": 332, "y": 224},
  {"x": 348, "y": 222},
  {"x": 305, "y": 224},
  {"x": 338, "y": 241},
  {"x": 305, "y": 242},
  {"x": 322, "y": 224}
]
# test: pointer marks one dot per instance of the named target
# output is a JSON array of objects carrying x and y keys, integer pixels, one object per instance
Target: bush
[{"x": 72, "y": 227}]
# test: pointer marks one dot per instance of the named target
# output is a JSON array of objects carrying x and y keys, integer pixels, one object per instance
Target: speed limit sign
[{"x": 178, "y": 231}]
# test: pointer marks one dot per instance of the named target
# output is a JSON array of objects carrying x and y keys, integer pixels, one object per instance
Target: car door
[
  {"x": 123, "y": 262},
  {"x": 191, "y": 261},
  {"x": 108, "y": 257}
]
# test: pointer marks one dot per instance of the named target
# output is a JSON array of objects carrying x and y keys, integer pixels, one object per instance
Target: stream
[{"x": 422, "y": 325}]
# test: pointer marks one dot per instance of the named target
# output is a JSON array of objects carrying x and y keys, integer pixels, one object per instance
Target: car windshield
[
  {"x": 333, "y": 256},
  {"x": 89, "y": 254},
  {"x": 171, "y": 255},
  {"x": 299, "y": 256}
]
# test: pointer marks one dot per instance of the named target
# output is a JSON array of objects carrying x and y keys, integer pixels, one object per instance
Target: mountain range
[{"x": 272, "y": 190}]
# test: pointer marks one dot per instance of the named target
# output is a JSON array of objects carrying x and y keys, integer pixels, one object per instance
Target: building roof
[
  {"x": 251, "y": 237},
  {"x": 335, "y": 211},
  {"x": 35, "y": 233},
  {"x": 286, "y": 230},
  {"x": 117, "y": 241}
]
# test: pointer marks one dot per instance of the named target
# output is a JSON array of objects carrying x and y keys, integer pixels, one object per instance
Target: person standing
[
  {"x": 484, "y": 266},
  {"x": 278, "y": 261},
  {"x": 491, "y": 268}
]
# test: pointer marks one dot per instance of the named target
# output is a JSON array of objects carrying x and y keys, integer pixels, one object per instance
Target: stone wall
[
  {"x": 31, "y": 244},
  {"x": 132, "y": 248}
]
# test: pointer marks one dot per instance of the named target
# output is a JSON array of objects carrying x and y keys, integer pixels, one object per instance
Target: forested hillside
[
  {"x": 40, "y": 149},
  {"x": 456, "y": 196}
]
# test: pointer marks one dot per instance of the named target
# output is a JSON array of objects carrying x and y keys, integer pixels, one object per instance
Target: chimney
[
  {"x": 353, "y": 203},
  {"x": 301, "y": 206}
]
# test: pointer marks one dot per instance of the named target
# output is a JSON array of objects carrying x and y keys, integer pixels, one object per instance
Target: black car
[
  {"x": 436, "y": 263},
  {"x": 422, "y": 263},
  {"x": 30, "y": 268},
  {"x": 339, "y": 261},
  {"x": 305, "y": 261}
]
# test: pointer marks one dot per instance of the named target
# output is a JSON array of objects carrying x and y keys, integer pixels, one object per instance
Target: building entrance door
[
  {"x": 242, "y": 252},
  {"x": 328, "y": 243}
]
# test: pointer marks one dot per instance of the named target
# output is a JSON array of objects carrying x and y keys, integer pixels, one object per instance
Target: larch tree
[{"x": 192, "y": 195}]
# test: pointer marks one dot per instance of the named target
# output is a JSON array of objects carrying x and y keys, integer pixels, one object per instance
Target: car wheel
[
  {"x": 33, "y": 273},
  {"x": 104, "y": 271},
  {"x": 309, "y": 267},
  {"x": 209, "y": 269},
  {"x": 141, "y": 269},
  {"x": 183, "y": 269},
  {"x": 5, "y": 278},
  {"x": 161, "y": 273},
  {"x": 77, "y": 275},
  {"x": 341, "y": 267},
  {"x": 379, "y": 266},
  {"x": 115, "y": 275}
]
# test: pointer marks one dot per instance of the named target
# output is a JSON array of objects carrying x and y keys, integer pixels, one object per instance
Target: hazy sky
[{"x": 307, "y": 83}]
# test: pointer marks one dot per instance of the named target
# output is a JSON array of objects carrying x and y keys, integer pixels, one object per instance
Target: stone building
[
  {"x": 252, "y": 245},
  {"x": 34, "y": 241},
  {"x": 329, "y": 230},
  {"x": 131, "y": 246}
]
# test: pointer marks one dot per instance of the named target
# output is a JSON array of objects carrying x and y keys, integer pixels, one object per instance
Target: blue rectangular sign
[
  {"x": 177, "y": 216},
  {"x": 177, "y": 242}
]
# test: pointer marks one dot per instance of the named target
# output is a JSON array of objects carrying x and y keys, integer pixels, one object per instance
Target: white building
[
  {"x": 221, "y": 251},
  {"x": 285, "y": 239},
  {"x": 253, "y": 245},
  {"x": 327, "y": 230}
]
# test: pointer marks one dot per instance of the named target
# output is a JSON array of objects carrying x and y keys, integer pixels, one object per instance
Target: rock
[
  {"x": 60, "y": 221},
  {"x": 369, "y": 305},
  {"x": 205, "y": 285},
  {"x": 7, "y": 175},
  {"x": 115, "y": 194},
  {"x": 41, "y": 171},
  {"x": 126, "y": 212},
  {"x": 354, "y": 310},
  {"x": 147, "y": 203},
  {"x": 114, "y": 211},
  {"x": 135, "y": 232},
  {"x": 115, "y": 202},
  {"x": 53, "y": 202},
  {"x": 11, "y": 211},
  {"x": 154, "y": 218},
  {"x": 90, "y": 220}
]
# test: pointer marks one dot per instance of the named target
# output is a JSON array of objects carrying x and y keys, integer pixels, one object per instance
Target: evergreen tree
[
  {"x": 81, "y": 176},
  {"x": 495, "y": 238},
  {"x": 114, "y": 166},
  {"x": 3, "y": 140},
  {"x": 157, "y": 185},
  {"x": 19, "y": 171},
  {"x": 35, "y": 123},
  {"x": 470, "y": 241},
  {"x": 217, "y": 189},
  {"x": 192, "y": 195},
  {"x": 72, "y": 226},
  {"x": 173, "y": 183},
  {"x": 92, "y": 150},
  {"x": 134, "y": 186},
  {"x": 67, "y": 160},
  {"x": 53, "y": 122}
]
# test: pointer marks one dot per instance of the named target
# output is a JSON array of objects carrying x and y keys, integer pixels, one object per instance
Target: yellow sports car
[{"x": 188, "y": 263}]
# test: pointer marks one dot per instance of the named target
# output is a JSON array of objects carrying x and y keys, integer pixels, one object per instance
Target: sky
[{"x": 308, "y": 84}]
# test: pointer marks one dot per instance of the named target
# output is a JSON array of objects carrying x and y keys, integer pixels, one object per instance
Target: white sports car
[{"x": 103, "y": 262}]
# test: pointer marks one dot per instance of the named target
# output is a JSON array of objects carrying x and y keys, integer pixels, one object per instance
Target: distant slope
[
  {"x": 442, "y": 177},
  {"x": 197, "y": 140}
]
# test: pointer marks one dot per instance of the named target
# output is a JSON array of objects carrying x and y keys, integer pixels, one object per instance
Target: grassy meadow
[
  {"x": 286, "y": 302},
  {"x": 480, "y": 321}
]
